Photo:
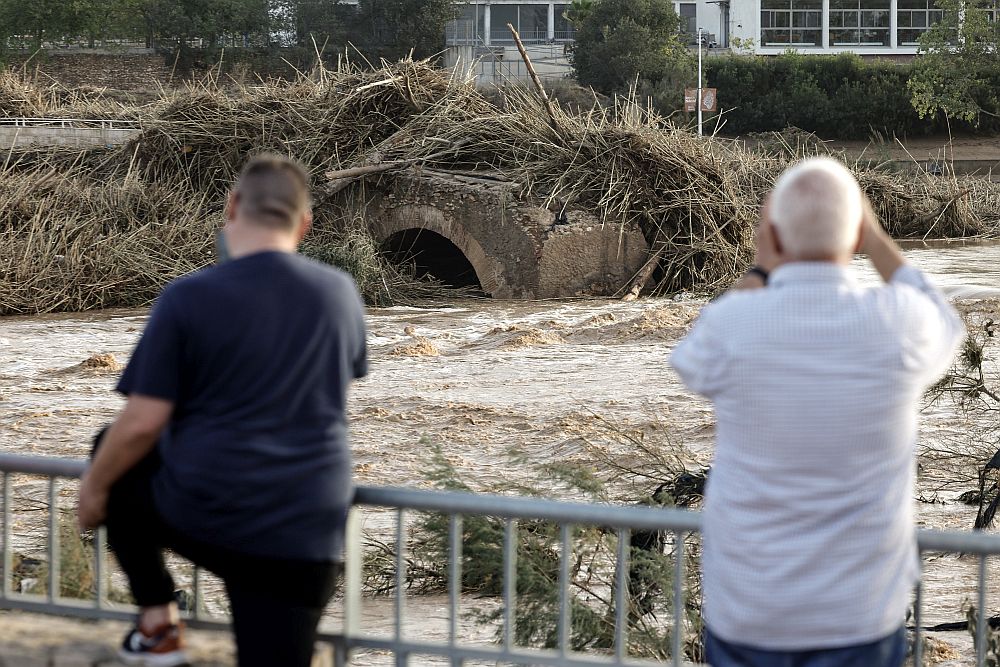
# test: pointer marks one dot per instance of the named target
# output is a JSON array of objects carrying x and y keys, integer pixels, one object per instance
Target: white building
[
  {"x": 480, "y": 40},
  {"x": 865, "y": 27}
]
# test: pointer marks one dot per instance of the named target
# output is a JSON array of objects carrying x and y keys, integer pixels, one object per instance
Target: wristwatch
[{"x": 756, "y": 270}]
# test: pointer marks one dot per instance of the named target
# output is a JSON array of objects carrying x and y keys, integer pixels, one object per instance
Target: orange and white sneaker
[{"x": 164, "y": 648}]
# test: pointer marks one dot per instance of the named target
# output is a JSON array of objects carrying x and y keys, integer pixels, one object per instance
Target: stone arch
[{"x": 488, "y": 270}]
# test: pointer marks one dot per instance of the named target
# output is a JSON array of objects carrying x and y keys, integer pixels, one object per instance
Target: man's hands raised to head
[
  {"x": 769, "y": 255},
  {"x": 876, "y": 243}
]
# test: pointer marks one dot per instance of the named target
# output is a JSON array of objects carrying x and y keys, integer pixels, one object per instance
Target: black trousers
[{"x": 276, "y": 603}]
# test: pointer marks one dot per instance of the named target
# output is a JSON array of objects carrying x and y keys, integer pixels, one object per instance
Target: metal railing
[
  {"x": 619, "y": 519},
  {"x": 72, "y": 123}
]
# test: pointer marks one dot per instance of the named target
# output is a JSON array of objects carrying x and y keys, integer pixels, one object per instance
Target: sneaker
[{"x": 164, "y": 648}]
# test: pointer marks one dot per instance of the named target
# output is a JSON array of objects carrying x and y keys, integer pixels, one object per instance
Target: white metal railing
[
  {"x": 72, "y": 123},
  {"x": 620, "y": 519}
]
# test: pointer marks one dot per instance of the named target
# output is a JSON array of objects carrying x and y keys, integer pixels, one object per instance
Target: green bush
[
  {"x": 842, "y": 96},
  {"x": 837, "y": 97}
]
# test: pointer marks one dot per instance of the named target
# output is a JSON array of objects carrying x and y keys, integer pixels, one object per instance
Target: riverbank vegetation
[{"x": 109, "y": 227}]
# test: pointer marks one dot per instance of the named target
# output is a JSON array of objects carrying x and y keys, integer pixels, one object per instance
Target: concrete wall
[
  {"x": 115, "y": 71},
  {"x": 11, "y": 136}
]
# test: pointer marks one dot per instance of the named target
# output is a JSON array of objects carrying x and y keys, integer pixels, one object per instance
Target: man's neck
[{"x": 251, "y": 242}]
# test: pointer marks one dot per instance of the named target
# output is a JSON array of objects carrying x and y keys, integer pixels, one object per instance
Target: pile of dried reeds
[
  {"x": 108, "y": 227},
  {"x": 27, "y": 95}
]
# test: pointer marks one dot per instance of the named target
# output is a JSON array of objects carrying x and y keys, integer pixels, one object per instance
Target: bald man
[{"x": 810, "y": 549}]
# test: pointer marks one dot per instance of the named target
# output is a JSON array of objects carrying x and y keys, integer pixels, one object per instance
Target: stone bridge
[
  {"x": 465, "y": 230},
  {"x": 470, "y": 230}
]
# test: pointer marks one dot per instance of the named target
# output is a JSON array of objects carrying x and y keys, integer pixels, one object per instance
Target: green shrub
[{"x": 842, "y": 96}]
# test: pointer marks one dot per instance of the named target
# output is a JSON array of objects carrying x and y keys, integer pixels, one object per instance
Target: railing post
[
  {"x": 454, "y": 581},
  {"x": 981, "y": 617},
  {"x": 7, "y": 579},
  {"x": 509, "y": 582},
  {"x": 54, "y": 554},
  {"x": 402, "y": 658},
  {"x": 565, "y": 629},
  {"x": 678, "y": 636},
  {"x": 353, "y": 579},
  {"x": 621, "y": 596},
  {"x": 101, "y": 584}
]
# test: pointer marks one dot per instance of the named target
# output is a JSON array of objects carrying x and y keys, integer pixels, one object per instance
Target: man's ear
[
  {"x": 232, "y": 201},
  {"x": 305, "y": 224},
  {"x": 777, "y": 239}
]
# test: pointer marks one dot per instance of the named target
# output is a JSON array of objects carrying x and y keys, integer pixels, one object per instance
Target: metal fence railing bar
[
  {"x": 513, "y": 512},
  {"x": 72, "y": 123}
]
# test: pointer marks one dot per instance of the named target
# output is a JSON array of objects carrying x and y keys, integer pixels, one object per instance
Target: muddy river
[{"x": 501, "y": 388}]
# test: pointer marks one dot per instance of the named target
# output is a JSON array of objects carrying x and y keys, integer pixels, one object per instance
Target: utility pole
[{"x": 699, "y": 82}]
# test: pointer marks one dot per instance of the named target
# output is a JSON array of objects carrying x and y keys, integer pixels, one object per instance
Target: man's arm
[
  {"x": 700, "y": 359},
  {"x": 883, "y": 252},
  {"x": 127, "y": 441},
  {"x": 936, "y": 339}
]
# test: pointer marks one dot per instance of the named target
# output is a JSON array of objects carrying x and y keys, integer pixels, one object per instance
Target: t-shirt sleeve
[
  {"x": 155, "y": 367},
  {"x": 700, "y": 359}
]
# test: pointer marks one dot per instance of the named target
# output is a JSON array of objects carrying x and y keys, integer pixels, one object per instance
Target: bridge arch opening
[{"x": 433, "y": 256}]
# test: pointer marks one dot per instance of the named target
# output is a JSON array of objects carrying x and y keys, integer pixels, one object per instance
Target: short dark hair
[{"x": 272, "y": 191}]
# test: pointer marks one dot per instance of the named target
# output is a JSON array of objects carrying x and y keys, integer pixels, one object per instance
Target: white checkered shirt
[{"x": 809, "y": 533}]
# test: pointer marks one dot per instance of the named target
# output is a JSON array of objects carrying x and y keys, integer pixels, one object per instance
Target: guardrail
[
  {"x": 72, "y": 123},
  {"x": 622, "y": 520}
]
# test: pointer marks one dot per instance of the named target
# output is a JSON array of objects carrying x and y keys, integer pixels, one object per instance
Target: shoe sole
[{"x": 172, "y": 659}]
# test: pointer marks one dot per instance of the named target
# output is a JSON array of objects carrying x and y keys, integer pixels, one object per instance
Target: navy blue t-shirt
[{"x": 257, "y": 355}]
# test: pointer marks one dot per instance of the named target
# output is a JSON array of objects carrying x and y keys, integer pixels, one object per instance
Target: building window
[
  {"x": 860, "y": 22},
  {"x": 469, "y": 27},
  {"x": 913, "y": 18},
  {"x": 791, "y": 23},
  {"x": 564, "y": 29},
  {"x": 688, "y": 11},
  {"x": 531, "y": 22}
]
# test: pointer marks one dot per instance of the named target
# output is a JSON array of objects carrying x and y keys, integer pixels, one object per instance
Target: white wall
[{"x": 744, "y": 17}]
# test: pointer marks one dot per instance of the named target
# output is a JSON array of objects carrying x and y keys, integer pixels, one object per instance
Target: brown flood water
[{"x": 482, "y": 379}]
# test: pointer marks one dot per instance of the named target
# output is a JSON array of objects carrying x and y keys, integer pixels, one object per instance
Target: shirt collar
[{"x": 811, "y": 272}]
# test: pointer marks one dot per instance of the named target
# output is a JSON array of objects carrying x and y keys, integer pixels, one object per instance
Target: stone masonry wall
[{"x": 127, "y": 72}]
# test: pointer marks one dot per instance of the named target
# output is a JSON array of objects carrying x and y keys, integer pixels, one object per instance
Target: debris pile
[{"x": 108, "y": 227}]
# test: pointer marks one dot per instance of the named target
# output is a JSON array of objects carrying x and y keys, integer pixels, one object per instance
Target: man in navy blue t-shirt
[{"x": 232, "y": 448}]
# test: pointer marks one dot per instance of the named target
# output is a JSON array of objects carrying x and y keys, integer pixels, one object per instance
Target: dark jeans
[
  {"x": 276, "y": 604},
  {"x": 887, "y": 652}
]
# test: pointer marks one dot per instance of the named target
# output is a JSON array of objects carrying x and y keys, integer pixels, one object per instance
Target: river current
[{"x": 500, "y": 388}]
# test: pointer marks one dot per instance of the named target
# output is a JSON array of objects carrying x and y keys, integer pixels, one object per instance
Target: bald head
[{"x": 816, "y": 209}]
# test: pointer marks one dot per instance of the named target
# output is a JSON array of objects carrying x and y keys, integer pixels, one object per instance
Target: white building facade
[
  {"x": 480, "y": 40},
  {"x": 770, "y": 27}
]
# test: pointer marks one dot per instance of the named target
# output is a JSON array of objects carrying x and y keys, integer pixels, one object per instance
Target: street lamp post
[{"x": 699, "y": 82}]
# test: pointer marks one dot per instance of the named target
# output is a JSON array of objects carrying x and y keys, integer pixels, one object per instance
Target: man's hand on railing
[{"x": 92, "y": 506}]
